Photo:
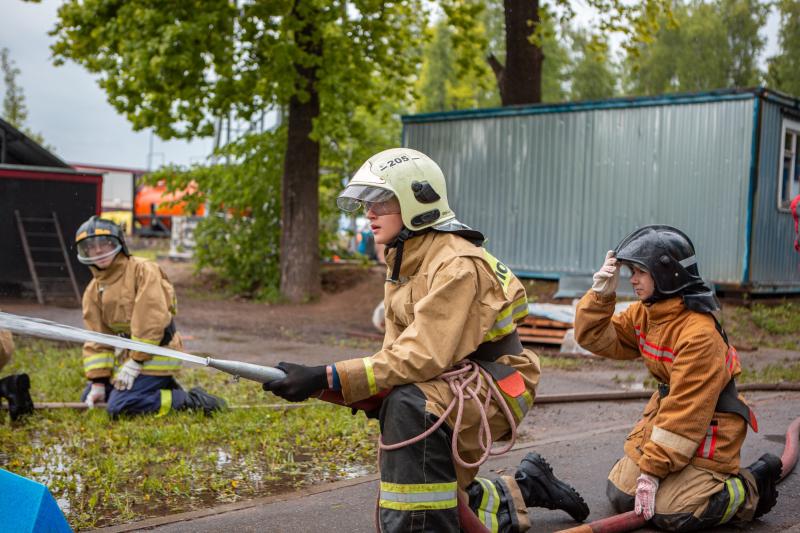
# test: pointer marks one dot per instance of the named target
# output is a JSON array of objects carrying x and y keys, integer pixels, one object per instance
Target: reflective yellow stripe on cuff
[
  {"x": 736, "y": 495},
  {"x": 161, "y": 363},
  {"x": 519, "y": 405},
  {"x": 147, "y": 341},
  {"x": 96, "y": 361},
  {"x": 166, "y": 402},
  {"x": 419, "y": 497},
  {"x": 373, "y": 389},
  {"x": 490, "y": 503}
]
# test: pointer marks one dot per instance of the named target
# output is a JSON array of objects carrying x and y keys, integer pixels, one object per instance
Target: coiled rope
[{"x": 466, "y": 380}]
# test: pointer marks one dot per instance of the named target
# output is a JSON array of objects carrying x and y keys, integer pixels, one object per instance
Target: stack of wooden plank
[{"x": 539, "y": 330}]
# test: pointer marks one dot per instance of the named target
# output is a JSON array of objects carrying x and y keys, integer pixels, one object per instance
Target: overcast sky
[{"x": 67, "y": 107}]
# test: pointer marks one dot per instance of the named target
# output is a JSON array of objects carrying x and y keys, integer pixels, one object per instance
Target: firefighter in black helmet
[
  {"x": 681, "y": 464},
  {"x": 131, "y": 297}
]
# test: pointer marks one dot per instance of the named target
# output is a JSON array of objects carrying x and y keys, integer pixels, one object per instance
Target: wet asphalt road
[{"x": 579, "y": 441}]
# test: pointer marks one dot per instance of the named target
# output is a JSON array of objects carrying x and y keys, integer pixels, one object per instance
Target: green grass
[
  {"x": 774, "y": 373},
  {"x": 769, "y": 326},
  {"x": 148, "y": 253},
  {"x": 561, "y": 363},
  {"x": 106, "y": 472}
]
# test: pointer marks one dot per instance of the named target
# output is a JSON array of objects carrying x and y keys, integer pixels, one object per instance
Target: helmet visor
[
  {"x": 381, "y": 201},
  {"x": 98, "y": 248}
]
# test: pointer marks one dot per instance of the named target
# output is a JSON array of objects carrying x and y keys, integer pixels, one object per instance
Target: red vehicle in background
[{"x": 154, "y": 207}]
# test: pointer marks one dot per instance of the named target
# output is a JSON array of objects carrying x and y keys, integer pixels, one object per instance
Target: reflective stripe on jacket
[
  {"x": 683, "y": 349},
  {"x": 452, "y": 296},
  {"x": 132, "y": 297}
]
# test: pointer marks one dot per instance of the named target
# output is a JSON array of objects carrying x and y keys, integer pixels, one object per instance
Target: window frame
[{"x": 787, "y": 126}]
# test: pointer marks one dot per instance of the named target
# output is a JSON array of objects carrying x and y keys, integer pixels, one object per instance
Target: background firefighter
[
  {"x": 447, "y": 300},
  {"x": 131, "y": 297},
  {"x": 16, "y": 387},
  {"x": 681, "y": 463}
]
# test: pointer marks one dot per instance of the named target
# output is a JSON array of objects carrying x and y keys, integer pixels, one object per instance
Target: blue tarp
[{"x": 27, "y": 506}]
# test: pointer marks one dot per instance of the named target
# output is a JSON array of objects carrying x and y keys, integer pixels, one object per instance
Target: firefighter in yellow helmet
[
  {"x": 131, "y": 297},
  {"x": 448, "y": 303},
  {"x": 681, "y": 464}
]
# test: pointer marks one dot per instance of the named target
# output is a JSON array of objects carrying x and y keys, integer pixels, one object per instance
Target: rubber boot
[
  {"x": 766, "y": 471},
  {"x": 197, "y": 398},
  {"x": 16, "y": 390},
  {"x": 541, "y": 488}
]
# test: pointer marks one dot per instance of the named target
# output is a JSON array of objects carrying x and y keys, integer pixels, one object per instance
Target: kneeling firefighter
[
  {"x": 451, "y": 314},
  {"x": 16, "y": 387},
  {"x": 681, "y": 463},
  {"x": 131, "y": 297}
]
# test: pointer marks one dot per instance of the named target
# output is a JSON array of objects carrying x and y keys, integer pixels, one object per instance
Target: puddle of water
[
  {"x": 353, "y": 471},
  {"x": 223, "y": 458}
]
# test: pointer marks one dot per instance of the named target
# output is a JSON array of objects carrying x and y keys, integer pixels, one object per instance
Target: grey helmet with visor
[{"x": 98, "y": 239}]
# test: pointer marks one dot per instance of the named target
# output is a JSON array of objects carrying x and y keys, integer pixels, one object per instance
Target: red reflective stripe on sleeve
[{"x": 713, "y": 446}]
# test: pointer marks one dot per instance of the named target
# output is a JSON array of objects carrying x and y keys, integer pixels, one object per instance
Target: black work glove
[{"x": 300, "y": 382}]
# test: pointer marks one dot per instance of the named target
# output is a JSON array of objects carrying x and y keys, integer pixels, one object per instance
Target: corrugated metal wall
[
  {"x": 554, "y": 191},
  {"x": 773, "y": 256}
]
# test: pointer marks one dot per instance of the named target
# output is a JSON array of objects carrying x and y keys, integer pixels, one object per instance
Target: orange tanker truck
[{"x": 154, "y": 208}]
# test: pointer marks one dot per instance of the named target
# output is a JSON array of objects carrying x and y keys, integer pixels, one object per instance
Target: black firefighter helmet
[
  {"x": 98, "y": 231},
  {"x": 666, "y": 253}
]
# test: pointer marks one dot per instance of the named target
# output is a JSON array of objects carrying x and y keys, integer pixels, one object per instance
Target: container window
[{"x": 789, "y": 176}]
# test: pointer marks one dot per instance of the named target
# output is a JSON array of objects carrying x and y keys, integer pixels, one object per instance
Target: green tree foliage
[
  {"x": 784, "y": 69},
  {"x": 710, "y": 45},
  {"x": 15, "y": 112},
  {"x": 592, "y": 76},
  {"x": 521, "y": 76},
  {"x": 451, "y": 79},
  {"x": 339, "y": 68}
]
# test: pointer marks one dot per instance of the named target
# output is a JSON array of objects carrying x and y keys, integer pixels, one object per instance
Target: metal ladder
[{"x": 48, "y": 254}]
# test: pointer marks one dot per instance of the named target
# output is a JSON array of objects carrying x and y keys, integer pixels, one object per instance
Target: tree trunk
[
  {"x": 520, "y": 80},
  {"x": 299, "y": 256}
]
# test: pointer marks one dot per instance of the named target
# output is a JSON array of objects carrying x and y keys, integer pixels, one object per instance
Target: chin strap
[{"x": 399, "y": 243}]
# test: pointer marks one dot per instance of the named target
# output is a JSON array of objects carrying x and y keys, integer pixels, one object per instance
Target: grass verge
[
  {"x": 105, "y": 472},
  {"x": 770, "y": 326}
]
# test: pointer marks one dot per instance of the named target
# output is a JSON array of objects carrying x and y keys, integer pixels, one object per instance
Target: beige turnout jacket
[
  {"x": 6, "y": 347},
  {"x": 134, "y": 298},
  {"x": 452, "y": 296},
  {"x": 682, "y": 349}
]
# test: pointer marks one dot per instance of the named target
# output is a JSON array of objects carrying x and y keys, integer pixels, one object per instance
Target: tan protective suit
[
  {"x": 680, "y": 438},
  {"x": 452, "y": 296},
  {"x": 132, "y": 297}
]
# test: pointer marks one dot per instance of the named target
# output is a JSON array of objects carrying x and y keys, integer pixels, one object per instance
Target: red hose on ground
[{"x": 630, "y": 521}]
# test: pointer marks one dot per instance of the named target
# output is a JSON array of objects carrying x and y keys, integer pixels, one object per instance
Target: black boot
[
  {"x": 16, "y": 390},
  {"x": 197, "y": 398},
  {"x": 541, "y": 488},
  {"x": 766, "y": 471}
]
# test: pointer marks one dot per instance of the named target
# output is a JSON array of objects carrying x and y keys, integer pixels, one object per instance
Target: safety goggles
[
  {"x": 94, "y": 249},
  {"x": 379, "y": 201}
]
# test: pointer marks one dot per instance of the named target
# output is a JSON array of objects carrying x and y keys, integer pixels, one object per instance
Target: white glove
[
  {"x": 379, "y": 318},
  {"x": 97, "y": 394},
  {"x": 127, "y": 375},
  {"x": 605, "y": 280},
  {"x": 646, "y": 489}
]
